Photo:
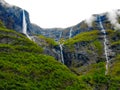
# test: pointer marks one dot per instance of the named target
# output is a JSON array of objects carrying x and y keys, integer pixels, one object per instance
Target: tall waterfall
[
  {"x": 25, "y": 25},
  {"x": 61, "y": 49},
  {"x": 70, "y": 35},
  {"x": 105, "y": 45}
]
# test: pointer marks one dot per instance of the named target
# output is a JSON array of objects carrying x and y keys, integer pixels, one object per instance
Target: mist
[
  {"x": 113, "y": 18},
  {"x": 90, "y": 20}
]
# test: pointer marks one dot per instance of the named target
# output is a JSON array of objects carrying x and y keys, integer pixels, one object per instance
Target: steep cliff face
[
  {"x": 84, "y": 26},
  {"x": 87, "y": 48},
  {"x": 82, "y": 49},
  {"x": 12, "y": 17}
]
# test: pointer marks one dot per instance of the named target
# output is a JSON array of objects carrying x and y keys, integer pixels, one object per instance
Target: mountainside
[
  {"x": 92, "y": 55},
  {"x": 11, "y": 16},
  {"x": 24, "y": 66},
  {"x": 14, "y": 15},
  {"x": 81, "y": 57}
]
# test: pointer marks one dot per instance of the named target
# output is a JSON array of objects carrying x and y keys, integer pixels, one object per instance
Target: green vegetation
[
  {"x": 47, "y": 41},
  {"x": 22, "y": 70},
  {"x": 115, "y": 74},
  {"x": 23, "y": 65},
  {"x": 86, "y": 40},
  {"x": 1, "y": 24},
  {"x": 83, "y": 37},
  {"x": 116, "y": 43},
  {"x": 92, "y": 45},
  {"x": 98, "y": 46}
]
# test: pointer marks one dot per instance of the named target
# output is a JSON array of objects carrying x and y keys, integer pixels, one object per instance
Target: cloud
[
  {"x": 113, "y": 18},
  {"x": 4, "y": 3},
  {"x": 90, "y": 20}
]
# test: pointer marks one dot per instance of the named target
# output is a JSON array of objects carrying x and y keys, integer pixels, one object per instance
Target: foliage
[
  {"x": 48, "y": 41},
  {"x": 1, "y": 24},
  {"x": 98, "y": 46},
  {"x": 84, "y": 36},
  {"x": 24, "y": 67}
]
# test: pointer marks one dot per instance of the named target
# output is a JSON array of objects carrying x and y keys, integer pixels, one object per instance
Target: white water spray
[
  {"x": 90, "y": 20},
  {"x": 105, "y": 46},
  {"x": 61, "y": 50},
  {"x": 25, "y": 25},
  {"x": 70, "y": 35},
  {"x": 113, "y": 18}
]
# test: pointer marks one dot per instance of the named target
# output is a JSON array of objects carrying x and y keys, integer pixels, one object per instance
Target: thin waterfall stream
[
  {"x": 70, "y": 35},
  {"x": 105, "y": 46},
  {"x": 61, "y": 50}
]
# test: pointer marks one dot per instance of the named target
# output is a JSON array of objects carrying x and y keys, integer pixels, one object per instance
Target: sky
[{"x": 63, "y": 13}]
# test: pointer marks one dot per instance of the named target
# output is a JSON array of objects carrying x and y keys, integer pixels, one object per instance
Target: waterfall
[
  {"x": 105, "y": 46},
  {"x": 25, "y": 25},
  {"x": 70, "y": 35},
  {"x": 60, "y": 35},
  {"x": 61, "y": 49},
  {"x": 61, "y": 52}
]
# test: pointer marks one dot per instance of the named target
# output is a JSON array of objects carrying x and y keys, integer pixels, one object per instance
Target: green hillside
[{"x": 23, "y": 66}]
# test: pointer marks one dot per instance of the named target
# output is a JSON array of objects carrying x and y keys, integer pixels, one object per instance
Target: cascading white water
[
  {"x": 61, "y": 50},
  {"x": 25, "y": 25},
  {"x": 70, "y": 35},
  {"x": 105, "y": 46}
]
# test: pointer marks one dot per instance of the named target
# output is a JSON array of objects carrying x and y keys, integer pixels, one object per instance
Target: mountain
[
  {"x": 12, "y": 17},
  {"x": 81, "y": 57},
  {"x": 92, "y": 53},
  {"x": 23, "y": 65}
]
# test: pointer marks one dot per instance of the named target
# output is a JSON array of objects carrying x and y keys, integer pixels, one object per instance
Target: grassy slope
[
  {"x": 48, "y": 41},
  {"x": 24, "y": 67}
]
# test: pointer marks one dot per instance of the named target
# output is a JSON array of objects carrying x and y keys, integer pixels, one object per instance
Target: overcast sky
[{"x": 63, "y": 13}]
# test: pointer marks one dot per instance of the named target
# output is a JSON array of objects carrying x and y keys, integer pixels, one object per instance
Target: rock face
[
  {"x": 49, "y": 46},
  {"x": 84, "y": 51},
  {"x": 83, "y": 26},
  {"x": 11, "y": 16}
]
